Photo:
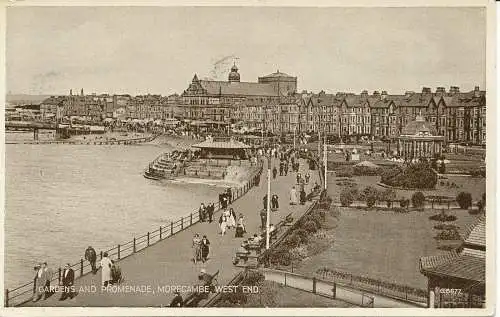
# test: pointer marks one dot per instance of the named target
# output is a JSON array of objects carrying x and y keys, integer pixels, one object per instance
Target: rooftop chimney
[
  {"x": 477, "y": 93},
  {"x": 454, "y": 90},
  {"x": 426, "y": 90},
  {"x": 376, "y": 93},
  {"x": 440, "y": 90},
  {"x": 384, "y": 94},
  {"x": 409, "y": 93},
  {"x": 364, "y": 93}
]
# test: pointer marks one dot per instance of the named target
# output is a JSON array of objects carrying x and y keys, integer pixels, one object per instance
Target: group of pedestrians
[
  {"x": 206, "y": 213},
  {"x": 201, "y": 248}
]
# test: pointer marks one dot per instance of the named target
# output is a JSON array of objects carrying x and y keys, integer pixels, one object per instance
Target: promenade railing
[
  {"x": 321, "y": 287},
  {"x": 22, "y": 294},
  {"x": 376, "y": 286}
]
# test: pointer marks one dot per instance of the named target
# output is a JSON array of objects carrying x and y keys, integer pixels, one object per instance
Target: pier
[{"x": 164, "y": 257}]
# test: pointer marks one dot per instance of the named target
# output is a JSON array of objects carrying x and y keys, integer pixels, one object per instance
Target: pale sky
[{"x": 139, "y": 50}]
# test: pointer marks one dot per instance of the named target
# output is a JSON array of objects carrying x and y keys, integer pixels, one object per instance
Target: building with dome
[{"x": 419, "y": 139}]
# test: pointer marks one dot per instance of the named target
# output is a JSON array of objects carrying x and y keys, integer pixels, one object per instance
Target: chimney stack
[
  {"x": 364, "y": 93},
  {"x": 426, "y": 90},
  {"x": 454, "y": 90},
  {"x": 384, "y": 94},
  {"x": 477, "y": 93},
  {"x": 440, "y": 90},
  {"x": 376, "y": 93}
]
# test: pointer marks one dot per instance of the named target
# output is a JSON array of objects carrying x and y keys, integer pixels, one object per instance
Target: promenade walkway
[{"x": 169, "y": 261}]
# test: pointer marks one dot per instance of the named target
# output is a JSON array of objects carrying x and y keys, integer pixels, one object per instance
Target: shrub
[
  {"x": 464, "y": 200},
  {"x": 443, "y": 217},
  {"x": 451, "y": 234},
  {"x": 443, "y": 226},
  {"x": 403, "y": 203},
  {"x": 311, "y": 226},
  {"x": 418, "y": 175},
  {"x": 370, "y": 195},
  {"x": 366, "y": 171},
  {"x": 347, "y": 196},
  {"x": 292, "y": 241},
  {"x": 236, "y": 298},
  {"x": 417, "y": 200},
  {"x": 302, "y": 234}
]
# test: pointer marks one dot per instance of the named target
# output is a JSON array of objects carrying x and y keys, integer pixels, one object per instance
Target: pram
[{"x": 116, "y": 274}]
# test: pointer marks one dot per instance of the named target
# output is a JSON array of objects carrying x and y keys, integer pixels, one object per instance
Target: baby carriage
[{"x": 116, "y": 274}]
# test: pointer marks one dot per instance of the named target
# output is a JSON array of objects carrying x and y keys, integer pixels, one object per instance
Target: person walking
[
  {"x": 275, "y": 172},
  {"x": 274, "y": 202},
  {"x": 91, "y": 256},
  {"x": 264, "y": 201},
  {"x": 293, "y": 196},
  {"x": 263, "y": 218},
  {"x": 223, "y": 224},
  {"x": 286, "y": 168},
  {"x": 46, "y": 278},
  {"x": 281, "y": 168},
  {"x": 210, "y": 211},
  {"x": 196, "y": 248},
  {"x": 68, "y": 279},
  {"x": 201, "y": 212},
  {"x": 240, "y": 227},
  {"x": 232, "y": 218},
  {"x": 229, "y": 194},
  {"x": 38, "y": 284},
  {"x": 307, "y": 178},
  {"x": 106, "y": 265},
  {"x": 302, "y": 196},
  {"x": 205, "y": 249}
]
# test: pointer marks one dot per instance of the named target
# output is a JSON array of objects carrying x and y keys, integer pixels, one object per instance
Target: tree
[
  {"x": 417, "y": 200},
  {"x": 464, "y": 200}
]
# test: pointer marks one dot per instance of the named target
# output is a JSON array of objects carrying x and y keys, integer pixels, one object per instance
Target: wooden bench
[{"x": 240, "y": 256}]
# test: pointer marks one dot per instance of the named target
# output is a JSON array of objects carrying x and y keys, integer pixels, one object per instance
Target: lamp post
[
  {"x": 268, "y": 216},
  {"x": 325, "y": 161},
  {"x": 294, "y": 128}
]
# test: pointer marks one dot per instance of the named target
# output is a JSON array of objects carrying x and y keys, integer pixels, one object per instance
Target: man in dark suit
[
  {"x": 91, "y": 256},
  {"x": 68, "y": 279}
]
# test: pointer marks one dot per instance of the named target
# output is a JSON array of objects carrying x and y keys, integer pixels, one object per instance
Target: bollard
[
  {"x": 160, "y": 232},
  {"x": 171, "y": 228},
  {"x": 134, "y": 245},
  {"x": 118, "y": 252},
  {"x": 81, "y": 267},
  {"x": 6, "y": 297},
  {"x": 190, "y": 219},
  {"x": 148, "y": 238},
  {"x": 182, "y": 223}
]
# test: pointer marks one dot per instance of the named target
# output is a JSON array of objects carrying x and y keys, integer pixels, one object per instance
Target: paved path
[{"x": 169, "y": 261}]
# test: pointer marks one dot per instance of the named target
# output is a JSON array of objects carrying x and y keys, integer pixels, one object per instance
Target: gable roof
[{"x": 237, "y": 88}]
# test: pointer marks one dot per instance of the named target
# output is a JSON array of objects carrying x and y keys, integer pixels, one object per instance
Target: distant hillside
[{"x": 24, "y": 98}]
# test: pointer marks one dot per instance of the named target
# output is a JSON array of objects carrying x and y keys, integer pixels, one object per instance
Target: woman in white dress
[
  {"x": 293, "y": 196},
  {"x": 227, "y": 215},
  {"x": 223, "y": 224},
  {"x": 106, "y": 265},
  {"x": 232, "y": 218}
]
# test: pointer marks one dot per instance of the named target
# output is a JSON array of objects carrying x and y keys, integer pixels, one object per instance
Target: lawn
[
  {"x": 383, "y": 244},
  {"x": 273, "y": 294}
]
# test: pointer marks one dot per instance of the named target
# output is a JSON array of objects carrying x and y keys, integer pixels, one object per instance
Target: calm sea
[{"x": 62, "y": 198}]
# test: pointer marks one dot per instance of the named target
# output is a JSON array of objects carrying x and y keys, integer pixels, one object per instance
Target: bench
[{"x": 243, "y": 256}]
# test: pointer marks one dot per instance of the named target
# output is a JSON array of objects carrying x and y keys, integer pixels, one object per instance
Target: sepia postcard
[{"x": 248, "y": 158}]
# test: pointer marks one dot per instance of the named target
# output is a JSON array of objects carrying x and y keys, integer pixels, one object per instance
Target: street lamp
[
  {"x": 268, "y": 216},
  {"x": 325, "y": 161}
]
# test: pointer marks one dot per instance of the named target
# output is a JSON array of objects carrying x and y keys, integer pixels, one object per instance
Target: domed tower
[{"x": 234, "y": 76}]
